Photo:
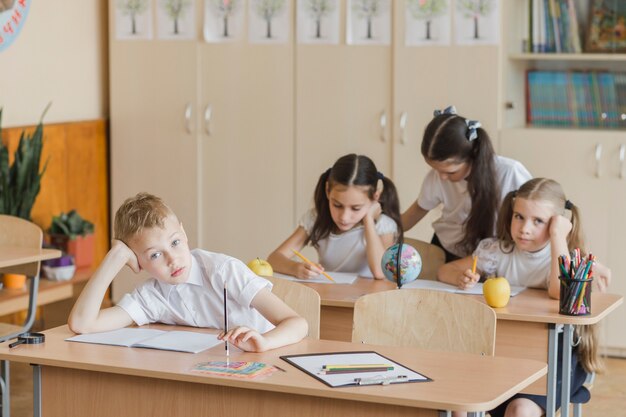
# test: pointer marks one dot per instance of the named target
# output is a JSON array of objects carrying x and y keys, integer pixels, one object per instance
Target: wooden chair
[
  {"x": 303, "y": 300},
  {"x": 18, "y": 233},
  {"x": 432, "y": 257},
  {"x": 432, "y": 320}
]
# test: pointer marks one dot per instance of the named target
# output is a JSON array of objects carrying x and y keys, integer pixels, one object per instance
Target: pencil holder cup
[{"x": 575, "y": 297}]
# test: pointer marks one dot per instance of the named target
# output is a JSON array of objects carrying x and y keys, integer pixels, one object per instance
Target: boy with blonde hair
[{"x": 186, "y": 287}]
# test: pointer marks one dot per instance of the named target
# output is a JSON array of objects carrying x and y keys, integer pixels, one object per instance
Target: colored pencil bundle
[{"x": 576, "y": 275}]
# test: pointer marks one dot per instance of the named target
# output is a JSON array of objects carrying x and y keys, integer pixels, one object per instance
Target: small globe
[{"x": 410, "y": 264}]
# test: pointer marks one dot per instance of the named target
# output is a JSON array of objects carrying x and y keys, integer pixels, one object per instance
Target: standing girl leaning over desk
[
  {"x": 532, "y": 233},
  {"x": 356, "y": 217},
  {"x": 467, "y": 178}
]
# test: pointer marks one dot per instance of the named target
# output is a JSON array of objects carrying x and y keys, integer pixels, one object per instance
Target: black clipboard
[{"x": 310, "y": 364}]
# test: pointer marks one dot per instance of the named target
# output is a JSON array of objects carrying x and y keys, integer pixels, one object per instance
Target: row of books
[
  {"x": 576, "y": 98},
  {"x": 552, "y": 27}
]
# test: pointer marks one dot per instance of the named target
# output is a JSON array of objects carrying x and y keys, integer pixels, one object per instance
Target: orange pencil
[
  {"x": 301, "y": 256},
  {"x": 474, "y": 264}
]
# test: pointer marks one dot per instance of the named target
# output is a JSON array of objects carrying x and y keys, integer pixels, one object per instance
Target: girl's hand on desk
[
  {"x": 468, "y": 279},
  {"x": 308, "y": 271},
  {"x": 246, "y": 339},
  {"x": 601, "y": 276}
]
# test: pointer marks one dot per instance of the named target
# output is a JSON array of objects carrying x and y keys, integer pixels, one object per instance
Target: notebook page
[
  {"x": 339, "y": 277},
  {"x": 442, "y": 286},
  {"x": 180, "y": 341},
  {"x": 120, "y": 337}
]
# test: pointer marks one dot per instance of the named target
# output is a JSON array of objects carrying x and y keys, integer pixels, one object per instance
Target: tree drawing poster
[
  {"x": 224, "y": 20},
  {"x": 477, "y": 22},
  {"x": 368, "y": 22},
  {"x": 318, "y": 21},
  {"x": 176, "y": 19},
  {"x": 133, "y": 19},
  {"x": 269, "y": 21},
  {"x": 427, "y": 22}
]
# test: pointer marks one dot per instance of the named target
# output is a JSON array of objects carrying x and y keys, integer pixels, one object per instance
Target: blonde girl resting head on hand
[
  {"x": 533, "y": 231},
  {"x": 356, "y": 217}
]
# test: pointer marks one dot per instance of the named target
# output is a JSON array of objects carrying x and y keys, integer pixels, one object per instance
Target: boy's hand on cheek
[{"x": 127, "y": 254}]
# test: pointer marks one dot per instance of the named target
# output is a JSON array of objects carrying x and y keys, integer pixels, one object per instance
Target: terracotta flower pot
[
  {"x": 81, "y": 248},
  {"x": 14, "y": 281}
]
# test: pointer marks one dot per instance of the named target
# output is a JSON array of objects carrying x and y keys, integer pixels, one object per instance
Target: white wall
[{"x": 59, "y": 56}]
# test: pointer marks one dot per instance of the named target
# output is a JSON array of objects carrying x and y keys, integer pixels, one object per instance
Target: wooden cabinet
[
  {"x": 586, "y": 162},
  {"x": 209, "y": 128}
]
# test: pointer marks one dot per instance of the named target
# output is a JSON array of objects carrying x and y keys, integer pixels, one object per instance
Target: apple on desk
[
  {"x": 261, "y": 267},
  {"x": 497, "y": 292}
]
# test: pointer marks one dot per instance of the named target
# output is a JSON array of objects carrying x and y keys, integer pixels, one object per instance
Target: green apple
[
  {"x": 261, "y": 267},
  {"x": 497, "y": 292}
]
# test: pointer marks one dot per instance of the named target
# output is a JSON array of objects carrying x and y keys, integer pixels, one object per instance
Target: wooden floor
[{"x": 608, "y": 396}]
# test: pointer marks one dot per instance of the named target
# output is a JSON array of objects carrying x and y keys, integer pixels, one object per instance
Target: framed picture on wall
[{"x": 607, "y": 26}]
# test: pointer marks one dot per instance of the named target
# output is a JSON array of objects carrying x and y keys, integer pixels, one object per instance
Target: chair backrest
[
  {"x": 432, "y": 257},
  {"x": 303, "y": 300},
  {"x": 17, "y": 232},
  {"x": 433, "y": 320}
]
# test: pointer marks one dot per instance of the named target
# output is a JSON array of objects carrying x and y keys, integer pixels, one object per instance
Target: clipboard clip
[{"x": 381, "y": 380}]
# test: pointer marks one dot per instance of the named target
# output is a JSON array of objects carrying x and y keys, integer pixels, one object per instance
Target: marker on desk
[
  {"x": 225, "y": 322},
  {"x": 381, "y": 380},
  {"x": 301, "y": 256}
]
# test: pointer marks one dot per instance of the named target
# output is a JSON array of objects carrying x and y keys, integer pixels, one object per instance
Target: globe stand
[{"x": 398, "y": 263}]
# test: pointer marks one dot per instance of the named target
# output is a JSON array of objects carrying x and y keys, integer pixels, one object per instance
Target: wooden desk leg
[{"x": 336, "y": 323}]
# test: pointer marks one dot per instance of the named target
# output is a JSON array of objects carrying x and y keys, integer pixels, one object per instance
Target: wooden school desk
[
  {"x": 527, "y": 327},
  {"x": 12, "y": 258},
  {"x": 78, "y": 379}
]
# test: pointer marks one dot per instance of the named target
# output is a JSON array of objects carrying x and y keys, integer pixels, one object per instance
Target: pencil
[
  {"x": 225, "y": 322},
  {"x": 474, "y": 264},
  {"x": 301, "y": 256}
]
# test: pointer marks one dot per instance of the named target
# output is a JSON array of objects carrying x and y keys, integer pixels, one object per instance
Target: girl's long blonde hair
[{"x": 543, "y": 189}]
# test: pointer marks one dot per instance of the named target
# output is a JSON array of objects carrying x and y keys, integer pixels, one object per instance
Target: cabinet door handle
[
  {"x": 598, "y": 156},
  {"x": 403, "y": 118},
  {"x": 622, "y": 156},
  {"x": 188, "y": 118},
  {"x": 383, "y": 126},
  {"x": 208, "y": 112}
]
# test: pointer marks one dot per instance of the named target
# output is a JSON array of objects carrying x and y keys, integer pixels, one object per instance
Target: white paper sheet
[
  {"x": 477, "y": 289},
  {"x": 339, "y": 277}
]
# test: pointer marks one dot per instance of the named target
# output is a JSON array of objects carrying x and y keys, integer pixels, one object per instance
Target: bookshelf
[{"x": 587, "y": 161}]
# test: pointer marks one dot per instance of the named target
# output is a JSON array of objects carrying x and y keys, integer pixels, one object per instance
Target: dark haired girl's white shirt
[
  {"x": 346, "y": 252},
  {"x": 457, "y": 203}
]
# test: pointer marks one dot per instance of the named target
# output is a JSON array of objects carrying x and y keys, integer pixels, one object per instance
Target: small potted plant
[{"x": 73, "y": 235}]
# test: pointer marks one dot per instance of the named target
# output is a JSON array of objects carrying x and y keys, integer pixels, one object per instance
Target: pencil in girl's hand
[
  {"x": 301, "y": 256},
  {"x": 474, "y": 264},
  {"x": 225, "y": 322}
]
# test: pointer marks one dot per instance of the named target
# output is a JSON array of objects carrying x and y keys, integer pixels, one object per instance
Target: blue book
[{"x": 608, "y": 99}]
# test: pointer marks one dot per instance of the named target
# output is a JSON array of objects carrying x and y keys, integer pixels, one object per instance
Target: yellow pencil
[
  {"x": 301, "y": 256},
  {"x": 474, "y": 264}
]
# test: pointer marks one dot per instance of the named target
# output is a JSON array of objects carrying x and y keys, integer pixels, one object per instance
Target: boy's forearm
[
  {"x": 87, "y": 307},
  {"x": 290, "y": 330}
]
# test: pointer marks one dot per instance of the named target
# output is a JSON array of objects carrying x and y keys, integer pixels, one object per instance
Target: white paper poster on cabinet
[
  {"x": 133, "y": 19},
  {"x": 176, "y": 19},
  {"x": 318, "y": 21},
  {"x": 269, "y": 21},
  {"x": 223, "y": 20},
  {"x": 476, "y": 22},
  {"x": 368, "y": 22},
  {"x": 427, "y": 22}
]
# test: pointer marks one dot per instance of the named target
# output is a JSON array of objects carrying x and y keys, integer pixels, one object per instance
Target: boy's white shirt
[
  {"x": 199, "y": 301},
  {"x": 520, "y": 268},
  {"x": 456, "y": 201},
  {"x": 346, "y": 252}
]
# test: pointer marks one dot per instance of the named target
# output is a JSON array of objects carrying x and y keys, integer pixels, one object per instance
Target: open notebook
[
  {"x": 477, "y": 289},
  {"x": 339, "y": 277},
  {"x": 179, "y": 341}
]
